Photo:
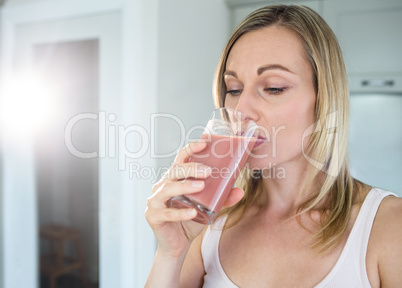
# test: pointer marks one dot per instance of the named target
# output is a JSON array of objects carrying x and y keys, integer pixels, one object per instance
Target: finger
[
  {"x": 188, "y": 150},
  {"x": 157, "y": 185},
  {"x": 160, "y": 216},
  {"x": 184, "y": 171},
  {"x": 187, "y": 170},
  {"x": 235, "y": 195},
  {"x": 171, "y": 189},
  {"x": 161, "y": 182},
  {"x": 183, "y": 156}
]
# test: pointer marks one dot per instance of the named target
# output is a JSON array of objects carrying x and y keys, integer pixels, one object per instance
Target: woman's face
[{"x": 269, "y": 78}]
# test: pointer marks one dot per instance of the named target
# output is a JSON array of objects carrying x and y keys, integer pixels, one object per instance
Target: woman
[{"x": 315, "y": 227}]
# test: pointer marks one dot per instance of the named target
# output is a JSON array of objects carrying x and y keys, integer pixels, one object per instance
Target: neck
[{"x": 284, "y": 195}]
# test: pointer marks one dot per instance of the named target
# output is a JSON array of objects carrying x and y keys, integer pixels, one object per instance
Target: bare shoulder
[
  {"x": 389, "y": 217},
  {"x": 387, "y": 237}
]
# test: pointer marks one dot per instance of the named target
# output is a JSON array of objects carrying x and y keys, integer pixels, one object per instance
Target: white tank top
[{"x": 349, "y": 270}]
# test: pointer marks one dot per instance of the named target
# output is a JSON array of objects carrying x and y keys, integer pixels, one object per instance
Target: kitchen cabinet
[{"x": 369, "y": 34}]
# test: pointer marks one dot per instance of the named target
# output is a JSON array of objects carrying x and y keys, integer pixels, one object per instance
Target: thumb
[{"x": 235, "y": 195}]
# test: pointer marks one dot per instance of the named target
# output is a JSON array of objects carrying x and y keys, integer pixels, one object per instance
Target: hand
[{"x": 173, "y": 228}]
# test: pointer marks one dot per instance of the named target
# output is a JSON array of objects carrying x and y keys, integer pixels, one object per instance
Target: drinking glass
[{"x": 230, "y": 136}]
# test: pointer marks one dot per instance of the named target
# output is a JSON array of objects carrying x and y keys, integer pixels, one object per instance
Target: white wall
[
  {"x": 18, "y": 2},
  {"x": 192, "y": 35},
  {"x": 1, "y": 194},
  {"x": 178, "y": 68}
]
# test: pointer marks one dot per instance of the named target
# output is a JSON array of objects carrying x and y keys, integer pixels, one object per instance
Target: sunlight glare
[{"x": 27, "y": 105}]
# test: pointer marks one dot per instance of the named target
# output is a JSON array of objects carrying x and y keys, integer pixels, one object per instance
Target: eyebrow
[
  {"x": 273, "y": 67},
  {"x": 262, "y": 70}
]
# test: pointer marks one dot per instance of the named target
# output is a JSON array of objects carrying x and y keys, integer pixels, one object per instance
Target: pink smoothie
[{"x": 226, "y": 155}]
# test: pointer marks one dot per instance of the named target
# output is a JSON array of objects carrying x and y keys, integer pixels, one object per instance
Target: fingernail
[
  {"x": 191, "y": 212},
  {"x": 197, "y": 184},
  {"x": 203, "y": 169},
  {"x": 198, "y": 142},
  {"x": 208, "y": 170}
]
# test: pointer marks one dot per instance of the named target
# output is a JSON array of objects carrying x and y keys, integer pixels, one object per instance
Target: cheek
[
  {"x": 296, "y": 117},
  {"x": 231, "y": 102},
  {"x": 300, "y": 113}
]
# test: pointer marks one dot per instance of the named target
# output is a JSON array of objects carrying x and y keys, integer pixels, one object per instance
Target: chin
[{"x": 261, "y": 164}]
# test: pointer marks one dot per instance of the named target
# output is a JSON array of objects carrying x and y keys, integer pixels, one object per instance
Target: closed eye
[
  {"x": 234, "y": 92},
  {"x": 275, "y": 90}
]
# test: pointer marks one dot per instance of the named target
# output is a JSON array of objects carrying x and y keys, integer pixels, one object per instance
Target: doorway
[{"x": 67, "y": 186}]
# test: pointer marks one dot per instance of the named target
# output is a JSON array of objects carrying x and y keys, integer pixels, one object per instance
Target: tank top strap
[
  {"x": 350, "y": 268},
  {"x": 215, "y": 275},
  {"x": 367, "y": 216},
  {"x": 210, "y": 241}
]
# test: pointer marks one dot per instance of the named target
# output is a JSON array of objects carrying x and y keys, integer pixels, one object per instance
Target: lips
[{"x": 260, "y": 140}]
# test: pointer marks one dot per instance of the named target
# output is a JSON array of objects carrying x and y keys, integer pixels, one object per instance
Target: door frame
[{"x": 134, "y": 246}]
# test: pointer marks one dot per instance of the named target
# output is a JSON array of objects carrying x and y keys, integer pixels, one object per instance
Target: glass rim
[{"x": 234, "y": 111}]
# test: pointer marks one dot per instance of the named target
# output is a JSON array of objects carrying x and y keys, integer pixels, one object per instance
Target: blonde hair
[{"x": 329, "y": 151}]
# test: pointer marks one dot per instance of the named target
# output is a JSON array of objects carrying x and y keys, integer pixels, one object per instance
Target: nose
[{"x": 247, "y": 104}]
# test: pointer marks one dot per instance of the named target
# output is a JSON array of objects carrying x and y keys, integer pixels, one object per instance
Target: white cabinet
[
  {"x": 371, "y": 40},
  {"x": 368, "y": 32}
]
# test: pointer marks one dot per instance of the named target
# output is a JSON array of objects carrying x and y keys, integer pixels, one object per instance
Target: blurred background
[{"x": 97, "y": 96}]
